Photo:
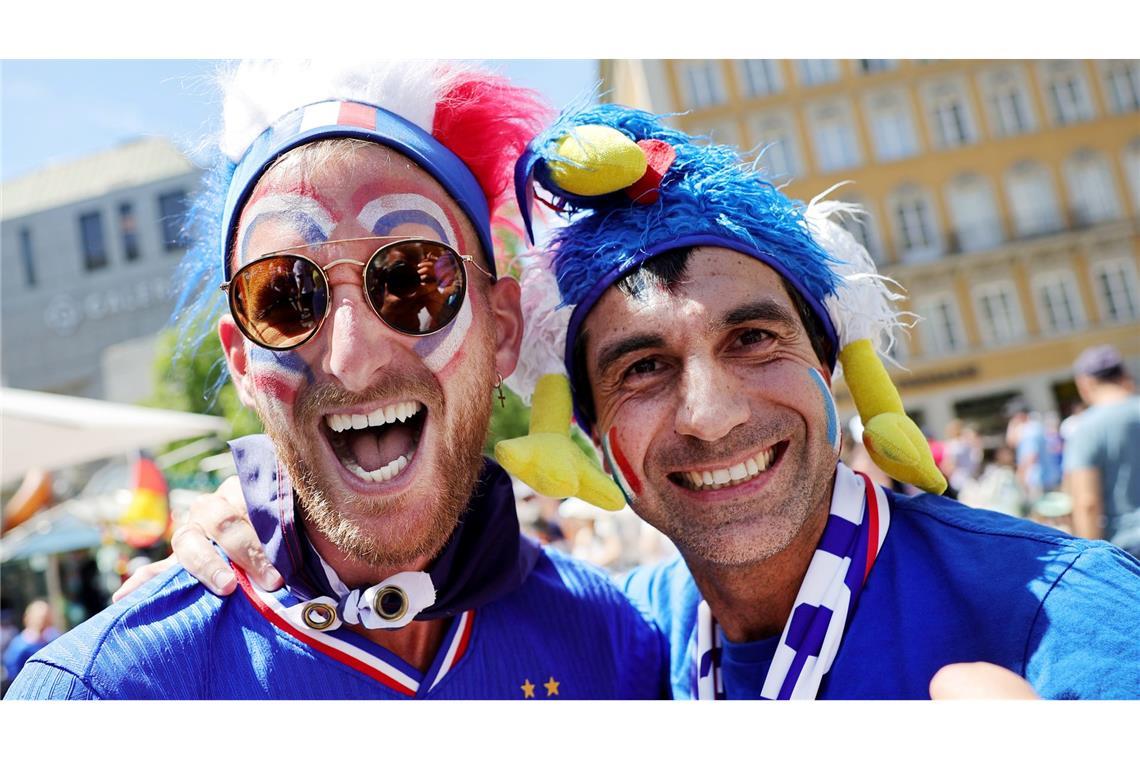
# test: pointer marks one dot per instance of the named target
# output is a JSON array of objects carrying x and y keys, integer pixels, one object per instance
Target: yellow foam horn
[{"x": 598, "y": 160}]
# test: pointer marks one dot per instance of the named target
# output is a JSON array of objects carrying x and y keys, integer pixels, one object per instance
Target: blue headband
[{"x": 336, "y": 118}]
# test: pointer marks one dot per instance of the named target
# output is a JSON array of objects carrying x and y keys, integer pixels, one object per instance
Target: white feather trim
[
  {"x": 862, "y": 305},
  {"x": 257, "y": 93},
  {"x": 544, "y": 328}
]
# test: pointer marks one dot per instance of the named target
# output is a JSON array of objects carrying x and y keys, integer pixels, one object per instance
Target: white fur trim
[{"x": 544, "y": 328}]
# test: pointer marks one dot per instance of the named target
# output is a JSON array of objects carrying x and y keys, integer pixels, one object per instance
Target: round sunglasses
[{"x": 415, "y": 286}]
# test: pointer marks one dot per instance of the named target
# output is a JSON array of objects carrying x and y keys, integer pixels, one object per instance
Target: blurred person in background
[
  {"x": 998, "y": 487},
  {"x": 1102, "y": 458},
  {"x": 39, "y": 631},
  {"x": 962, "y": 455},
  {"x": 1038, "y": 468}
]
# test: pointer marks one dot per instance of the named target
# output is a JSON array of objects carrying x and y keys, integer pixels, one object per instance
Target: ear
[
  {"x": 237, "y": 359},
  {"x": 504, "y": 298}
]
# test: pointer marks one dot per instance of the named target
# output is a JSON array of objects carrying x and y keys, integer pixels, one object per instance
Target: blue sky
[{"x": 59, "y": 110}]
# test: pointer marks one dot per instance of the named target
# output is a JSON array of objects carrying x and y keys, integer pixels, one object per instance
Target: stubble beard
[
  {"x": 419, "y": 526},
  {"x": 731, "y": 538}
]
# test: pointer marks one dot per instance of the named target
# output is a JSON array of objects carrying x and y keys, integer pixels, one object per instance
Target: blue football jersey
[
  {"x": 951, "y": 584},
  {"x": 566, "y": 633}
]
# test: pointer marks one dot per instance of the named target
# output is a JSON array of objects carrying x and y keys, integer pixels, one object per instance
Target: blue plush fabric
[
  {"x": 708, "y": 191},
  {"x": 952, "y": 584}
]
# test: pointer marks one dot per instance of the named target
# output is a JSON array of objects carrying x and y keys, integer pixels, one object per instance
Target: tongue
[{"x": 374, "y": 450}]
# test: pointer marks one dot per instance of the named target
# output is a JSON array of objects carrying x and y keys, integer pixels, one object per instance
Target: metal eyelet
[
  {"x": 391, "y": 603},
  {"x": 318, "y": 615}
]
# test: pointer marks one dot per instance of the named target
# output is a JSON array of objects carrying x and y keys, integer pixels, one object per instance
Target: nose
[
  {"x": 710, "y": 403},
  {"x": 359, "y": 346}
]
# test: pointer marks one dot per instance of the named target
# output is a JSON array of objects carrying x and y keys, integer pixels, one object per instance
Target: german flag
[{"x": 147, "y": 518}]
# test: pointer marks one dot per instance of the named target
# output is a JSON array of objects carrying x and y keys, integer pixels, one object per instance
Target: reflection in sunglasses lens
[
  {"x": 280, "y": 300},
  {"x": 416, "y": 287}
]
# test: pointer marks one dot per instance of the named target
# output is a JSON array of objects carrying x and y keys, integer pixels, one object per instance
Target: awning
[{"x": 52, "y": 431}]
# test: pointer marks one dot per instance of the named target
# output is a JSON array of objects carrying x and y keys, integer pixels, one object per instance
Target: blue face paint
[
  {"x": 829, "y": 408},
  {"x": 304, "y": 216}
]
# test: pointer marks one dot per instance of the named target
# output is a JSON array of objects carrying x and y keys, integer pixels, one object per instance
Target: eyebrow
[
  {"x": 765, "y": 310},
  {"x": 614, "y": 351}
]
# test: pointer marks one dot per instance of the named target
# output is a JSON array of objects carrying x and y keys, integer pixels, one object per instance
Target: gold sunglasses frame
[{"x": 230, "y": 292}]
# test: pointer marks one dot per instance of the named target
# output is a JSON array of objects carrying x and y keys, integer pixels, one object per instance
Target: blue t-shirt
[
  {"x": 566, "y": 633},
  {"x": 20, "y": 648},
  {"x": 1107, "y": 438},
  {"x": 951, "y": 584}
]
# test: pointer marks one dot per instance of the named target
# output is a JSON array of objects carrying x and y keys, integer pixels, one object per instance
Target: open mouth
[
  {"x": 736, "y": 474},
  {"x": 377, "y": 445}
]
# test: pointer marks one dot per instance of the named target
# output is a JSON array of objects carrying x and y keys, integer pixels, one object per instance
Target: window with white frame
[
  {"x": 1032, "y": 200},
  {"x": 1007, "y": 102},
  {"x": 833, "y": 137},
  {"x": 775, "y": 134},
  {"x": 1122, "y": 83},
  {"x": 875, "y": 65},
  {"x": 862, "y": 227},
  {"x": 916, "y": 229},
  {"x": 1091, "y": 189},
  {"x": 999, "y": 316},
  {"x": 1132, "y": 171},
  {"x": 702, "y": 83},
  {"x": 1059, "y": 307},
  {"x": 1067, "y": 91},
  {"x": 892, "y": 129},
  {"x": 1115, "y": 284},
  {"x": 816, "y": 71},
  {"x": 759, "y": 77},
  {"x": 949, "y": 113},
  {"x": 940, "y": 324},
  {"x": 974, "y": 213}
]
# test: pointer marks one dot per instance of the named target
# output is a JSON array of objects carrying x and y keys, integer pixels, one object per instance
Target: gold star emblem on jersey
[
  {"x": 551, "y": 687},
  {"x": 527, "y": 689}
]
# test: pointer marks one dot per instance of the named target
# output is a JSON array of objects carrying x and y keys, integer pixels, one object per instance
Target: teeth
[
  {"x": 383, "y": 416},
  {"x": 385, "y": 473},
  {"x": 737, "y": 473}
]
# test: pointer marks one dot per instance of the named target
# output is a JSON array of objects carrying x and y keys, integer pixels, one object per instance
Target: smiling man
[
  {"x": 705, "y": 314},
  {"x": 368, "y": 327}
]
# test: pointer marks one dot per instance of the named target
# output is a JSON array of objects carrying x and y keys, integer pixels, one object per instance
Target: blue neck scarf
[{"x": 484, "y": 559}]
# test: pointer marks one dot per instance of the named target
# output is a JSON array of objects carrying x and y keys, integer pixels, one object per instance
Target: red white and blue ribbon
[
  {"x": 854, "y": 534},
  {"x": 284, "y": 611}
]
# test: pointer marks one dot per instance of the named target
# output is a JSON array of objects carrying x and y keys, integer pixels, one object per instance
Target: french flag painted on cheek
[
  {"x": 619, "y": 466},
  {"x": 278, "y": 374}
]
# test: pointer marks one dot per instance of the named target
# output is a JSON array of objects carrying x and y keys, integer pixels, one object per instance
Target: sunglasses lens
[
  {"x": 279, "y": 301},
  {"x": 417, "y": 287}
]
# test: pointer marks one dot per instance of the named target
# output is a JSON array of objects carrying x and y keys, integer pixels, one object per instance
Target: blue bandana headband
[{"x": 339, "y": 119}]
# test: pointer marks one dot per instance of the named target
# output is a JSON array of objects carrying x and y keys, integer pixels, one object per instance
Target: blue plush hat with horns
[{"x": 633, "y": 189}]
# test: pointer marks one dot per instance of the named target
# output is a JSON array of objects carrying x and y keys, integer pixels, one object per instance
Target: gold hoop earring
[{"x": 499, "y": 388}]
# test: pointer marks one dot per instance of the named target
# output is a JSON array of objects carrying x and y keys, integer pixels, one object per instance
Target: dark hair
[{"x": 666, "y": 271}]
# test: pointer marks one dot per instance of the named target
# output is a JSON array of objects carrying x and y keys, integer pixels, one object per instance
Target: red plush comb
[{"x": 659, "y": 157}]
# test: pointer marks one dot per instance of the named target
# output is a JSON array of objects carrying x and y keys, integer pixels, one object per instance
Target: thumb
[{"x": 979, "y": 680}]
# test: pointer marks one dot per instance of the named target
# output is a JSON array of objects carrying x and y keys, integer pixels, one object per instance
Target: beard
[
  {"x": 753, "y": 529},
  {"x": 417, "y": 521}
]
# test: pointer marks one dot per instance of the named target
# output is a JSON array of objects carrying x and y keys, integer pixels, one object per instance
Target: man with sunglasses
[{"x": 350, "y": 230}]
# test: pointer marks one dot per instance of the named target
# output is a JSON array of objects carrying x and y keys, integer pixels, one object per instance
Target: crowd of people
[{"x": 1041, "y": 467}]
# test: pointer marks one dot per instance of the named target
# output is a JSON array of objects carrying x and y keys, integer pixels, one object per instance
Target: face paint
[
  {"x": 829, "y": 407},
  {"x": 440, "y": 349},
  {"x": 619, "y": 466},
  {"x": 305, "y": 215},
  {"x": 384, "y": 215},
  {"x": 277, "y": 377}
]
